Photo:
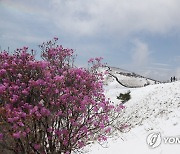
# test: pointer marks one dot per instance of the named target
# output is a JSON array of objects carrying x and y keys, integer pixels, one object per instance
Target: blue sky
[{"x": 141, "y": 36}]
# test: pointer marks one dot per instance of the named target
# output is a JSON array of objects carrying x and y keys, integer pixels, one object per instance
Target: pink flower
[
  {"x": 56, "y": 91},
  {"x": 81, "y": 144},
  {"x": 49, "y": 130},
  {"x": 101, "y": 125},
  {"x": 28, "y": 130},
  {"x": 91, "y": 60},
  {"x": 6, "y": 64},
  {"x": 24, "y": 134},
  {"x": 2, "y": 88},
  {"x": 38, "y": 115},
  {"x": 45, "y": 112},
  {"x": 20, "y": 124},
  {"x": 40, "y": 82},
  {"x": 20, "y": 75},
  {"x": 102, "y": 105},
  {"x": 98, "y": 59},
  {"x": 55, "y": 38},
  {"x": 1, "y": 136},
  {"x": 58, "y": 78},
  {"x": 2, "y": 71},
  {"x": 34, "y": 110},
  {"x": 65, "y": 142},
  {"x": 17, "y": 135},
  {"x": 14, "y": 98},
  {"x": 23, "y": 115},
  {"x": 25, "y": 92},
  {"x": 119, "y": 108},
  {"x": 37, "y": 146},
  {"x": 102, "y": 138},
  {"x": 44, "y": 64},
  {"x": 59, "y": 113},
  {"x": 108, "y": 130},
  {"x": 15, "y": 127},
  {"x": 11, "y": 120},
  {"x": 84, "y": 129},
  {"x": 16, "y": 118},
  {"x": 95, "y": 109}
]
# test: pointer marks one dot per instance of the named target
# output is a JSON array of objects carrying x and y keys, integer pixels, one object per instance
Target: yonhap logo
[
  {"x": 172, "y": 140},
  {"x": 154, "y": 140}
]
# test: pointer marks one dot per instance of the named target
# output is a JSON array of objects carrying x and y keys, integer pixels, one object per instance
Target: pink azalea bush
[{"x": 49, "y": 105}]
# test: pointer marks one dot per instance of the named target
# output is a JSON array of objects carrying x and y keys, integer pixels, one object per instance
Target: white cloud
[
  {"x": 96, "y": 17},
  {"x": 121, "y": 17},
  {"x": 143, "y": 62},
  {"x": 140, "y": 53},
  {"x": 116, "y": 16}
]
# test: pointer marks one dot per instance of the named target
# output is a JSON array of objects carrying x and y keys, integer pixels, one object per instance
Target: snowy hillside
[
  {"x": 153, "y": 108},
  {"x": 127, "y": 78}
]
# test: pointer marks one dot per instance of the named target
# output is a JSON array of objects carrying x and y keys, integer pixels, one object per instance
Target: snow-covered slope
[
  {"x": 154, "y": 108},
  {"x": 127, "y": 78}
]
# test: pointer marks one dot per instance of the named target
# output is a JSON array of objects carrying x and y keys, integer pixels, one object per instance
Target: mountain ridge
[{"x": 127, "y": 78}]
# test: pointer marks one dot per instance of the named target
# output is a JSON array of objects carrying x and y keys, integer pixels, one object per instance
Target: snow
[
  {"x": 154, "y": 108},
  {"x": 128, "y": 79}
]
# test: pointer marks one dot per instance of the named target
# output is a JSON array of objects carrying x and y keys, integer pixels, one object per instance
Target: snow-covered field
[{"x": 151, "y": 109}]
